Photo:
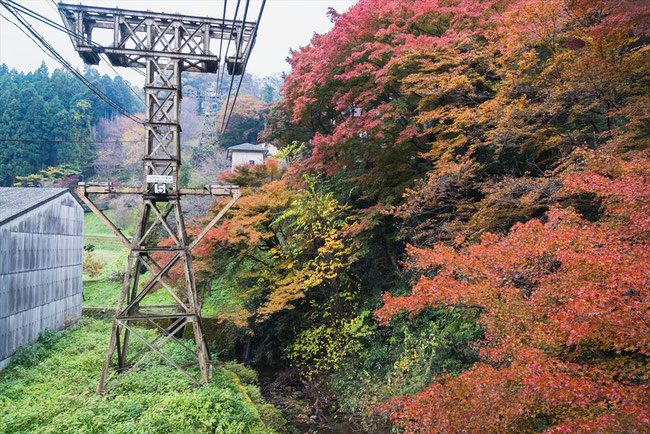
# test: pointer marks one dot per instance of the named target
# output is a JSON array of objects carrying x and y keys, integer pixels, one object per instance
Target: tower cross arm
[
  {"x": 126, "y": 36},
  {"x": 109, "y": 188}
]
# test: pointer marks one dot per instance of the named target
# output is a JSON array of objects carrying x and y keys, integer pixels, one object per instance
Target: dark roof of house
[
  {"x": 248, "y": 147},
  {"x": 16, "y": 201}
]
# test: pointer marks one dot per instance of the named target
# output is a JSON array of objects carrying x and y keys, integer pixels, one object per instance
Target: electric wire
[
  {"x": 225, "y": 57},
  {"x": 55, "y": 7},
  {"x": 43, "y": 19},
  {"x": 245, "y": 63},
  {"x": 223, "y": 26},
  {"x": 126, "y": 82},
  {"x": 29, "y": 36},
  {"x": 232, "y": 77},
  {"x": 63, "y": 29},
  {"x": 229, "y": 107},
  {"x": 225, "y": 62},
  {"x": 100, "y": 142},
  {"x": 56, "y": 56},
  {"x": 43, "y": 43}
]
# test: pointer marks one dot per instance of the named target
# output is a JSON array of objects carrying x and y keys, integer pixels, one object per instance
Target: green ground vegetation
[
  {"x": 103, "y": 293},
  {"x": 107, "y": 248},
  {"x": 103, "y": 289},
  {"x": 49, "y": 388}
]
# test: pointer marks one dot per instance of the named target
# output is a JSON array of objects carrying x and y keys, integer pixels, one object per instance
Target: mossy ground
[{"x": 50, "y": 388}]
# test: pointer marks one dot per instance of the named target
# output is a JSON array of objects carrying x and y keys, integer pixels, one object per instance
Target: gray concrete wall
[{"x": 41, "y": 259}]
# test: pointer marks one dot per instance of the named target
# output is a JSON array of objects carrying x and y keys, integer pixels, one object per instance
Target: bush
[
  {"x": 116, "y": 269},
  {"x": 91, "y": 266}
]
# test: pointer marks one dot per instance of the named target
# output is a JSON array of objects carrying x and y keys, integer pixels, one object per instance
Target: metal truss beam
[
  {"x": 129, "y": 37},
  {"x": 159, "y": 262},
  {"x": 160, "y": 249}
]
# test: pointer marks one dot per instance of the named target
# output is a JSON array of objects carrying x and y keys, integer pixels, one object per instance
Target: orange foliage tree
[
  {"x": 565, "y": 305},
  {"x": 563, "y": 298},
  {"x": 508, "y": 139}
]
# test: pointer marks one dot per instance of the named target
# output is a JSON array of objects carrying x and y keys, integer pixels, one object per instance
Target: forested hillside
[
  {"x": 453, "y": 237},
  {"x": 71, "y": 123},
  {"x": 58, "y": 110},
  {"x": 459, "y": 241}
]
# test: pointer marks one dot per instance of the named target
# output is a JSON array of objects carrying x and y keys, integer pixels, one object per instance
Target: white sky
[{"x": 286, "y": 24}]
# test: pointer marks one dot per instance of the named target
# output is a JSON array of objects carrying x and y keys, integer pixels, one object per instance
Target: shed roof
[
  {"x": 16, "y": 201},
  {"x": 248, "y": 147}
]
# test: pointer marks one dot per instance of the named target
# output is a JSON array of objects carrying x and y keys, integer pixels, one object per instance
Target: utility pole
[{"x": 163, "y": 45}]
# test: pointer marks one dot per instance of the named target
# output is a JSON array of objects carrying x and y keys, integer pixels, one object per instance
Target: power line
[
  {"x": 29, "y": 36},
  {"x": 43, "y": 19},
  {"x": 42, "y": 42},
  {"x": 137, "y": 95},
  {"x": 61, "y": 28},
  {"x": 100, "y": 142},
  {"x": 53, "y": 5},
  {"x": 223, "y": 68},
  {"x": 253, "y": 37},
  {"x": 229, "y": 106},
  {"x": 232, "y": 77},
  {"x": 223, "y": 25}
]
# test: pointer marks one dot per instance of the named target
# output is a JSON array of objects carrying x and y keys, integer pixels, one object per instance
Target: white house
[
  {"x": 247, "y": 153},
  {"x": 41, "y": 260}
]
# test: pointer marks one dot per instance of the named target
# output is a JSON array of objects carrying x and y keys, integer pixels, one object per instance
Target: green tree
[{"x": 60, "y": 112}]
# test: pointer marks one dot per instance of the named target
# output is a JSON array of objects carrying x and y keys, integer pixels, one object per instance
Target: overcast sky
[{"x": 285, "y": 24}]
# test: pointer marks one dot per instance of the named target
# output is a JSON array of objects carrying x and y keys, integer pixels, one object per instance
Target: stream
[{"x": 306, "y": 421}]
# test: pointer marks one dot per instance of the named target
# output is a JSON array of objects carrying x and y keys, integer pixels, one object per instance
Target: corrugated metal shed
[{"x": 41, "y": 259}]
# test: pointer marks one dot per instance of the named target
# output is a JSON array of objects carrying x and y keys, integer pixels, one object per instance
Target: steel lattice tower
[{"x": 164, "y": 45}]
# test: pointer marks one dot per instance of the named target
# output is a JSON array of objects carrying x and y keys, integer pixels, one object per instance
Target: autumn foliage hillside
[{"x": 460, "y": 240}]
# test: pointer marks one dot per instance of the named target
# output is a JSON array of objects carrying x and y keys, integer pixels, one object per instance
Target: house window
[{"x": 251, "y": 162}]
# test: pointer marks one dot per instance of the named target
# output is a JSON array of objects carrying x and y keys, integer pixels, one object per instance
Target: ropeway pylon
[{"x": 164, "y": 45}]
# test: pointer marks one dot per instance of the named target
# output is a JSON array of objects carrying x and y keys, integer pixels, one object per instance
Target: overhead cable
[
  {"x": 232, "y": 77},
  {"x": 63, "y": 29},
  {"x": 247, "y": 57},
  {"x": 224, "y": 66},
  {"x": 82, "y": 142},
  {"x": 42, "y": 43}
]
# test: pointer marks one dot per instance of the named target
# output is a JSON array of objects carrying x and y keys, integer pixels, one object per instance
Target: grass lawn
[
  {"x": 93, "y": 225},
  {"x": 108, "y": 248},
  {"x": 102, "y": 293},
  {"x": 49, "y": 388},
  {"x": 112, "y": 254}
]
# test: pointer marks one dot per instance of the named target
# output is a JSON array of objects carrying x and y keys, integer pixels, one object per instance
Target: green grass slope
[
  {"x": 111, "y": 253},
  {"x": 50, "y": 386},
  {"x": 103, "y": 293}
]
